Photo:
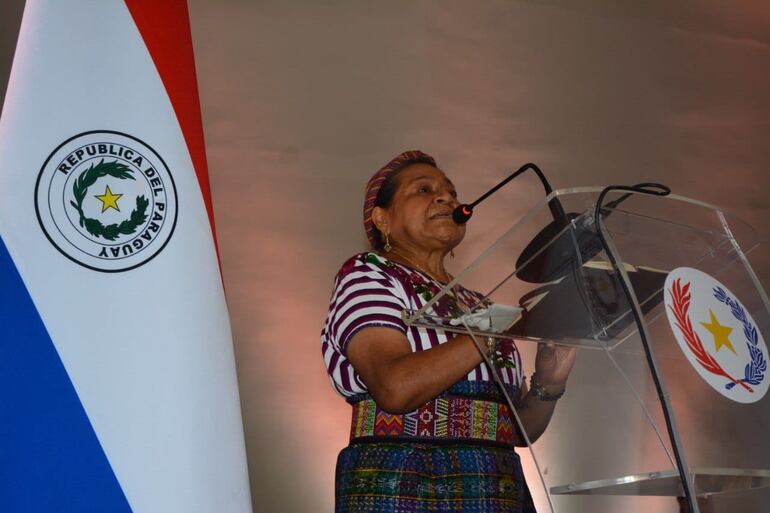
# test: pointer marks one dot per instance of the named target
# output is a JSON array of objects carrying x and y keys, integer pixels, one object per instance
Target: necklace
[
  {"x": 453, "y": 294},
  {"x": 420, "y": 268}
]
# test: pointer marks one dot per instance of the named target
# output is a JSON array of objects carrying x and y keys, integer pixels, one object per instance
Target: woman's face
[{"x": 421, "y": 211}]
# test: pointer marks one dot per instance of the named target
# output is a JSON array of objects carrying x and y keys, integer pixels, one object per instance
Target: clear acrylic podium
[{"x": 609, "y": 446}]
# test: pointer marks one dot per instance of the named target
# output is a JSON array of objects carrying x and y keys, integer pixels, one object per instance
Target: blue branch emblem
[{"x": 754, "y": 372}]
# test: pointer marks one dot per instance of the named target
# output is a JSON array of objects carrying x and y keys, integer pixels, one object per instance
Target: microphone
[{"x": 463, "y": 213}]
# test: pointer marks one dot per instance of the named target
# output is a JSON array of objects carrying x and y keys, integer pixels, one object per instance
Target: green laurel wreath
[{"x": 93, "y": 226}]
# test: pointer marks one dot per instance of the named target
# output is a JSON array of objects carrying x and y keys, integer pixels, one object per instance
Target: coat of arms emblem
[{"x": 717, "y": 334}]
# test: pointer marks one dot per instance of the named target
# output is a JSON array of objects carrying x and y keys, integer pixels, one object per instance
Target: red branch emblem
[{"x": 681, "y": 299}]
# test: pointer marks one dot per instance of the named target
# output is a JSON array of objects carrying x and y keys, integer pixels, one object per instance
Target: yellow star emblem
[
  {"x": 108, "y": 199},
  {"x": 720, "y": 333}
]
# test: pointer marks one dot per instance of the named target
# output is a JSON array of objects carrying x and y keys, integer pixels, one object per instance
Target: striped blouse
[{"x": 370, "y": 291}]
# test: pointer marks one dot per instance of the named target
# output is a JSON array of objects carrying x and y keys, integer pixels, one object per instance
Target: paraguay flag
[{"x": 117, "y": 378}]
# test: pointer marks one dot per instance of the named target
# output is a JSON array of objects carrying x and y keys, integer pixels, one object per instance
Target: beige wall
[{"x": 302, "y": 101}]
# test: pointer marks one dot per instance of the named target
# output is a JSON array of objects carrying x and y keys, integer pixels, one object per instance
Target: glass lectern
[{"x": 667, "y": 398}]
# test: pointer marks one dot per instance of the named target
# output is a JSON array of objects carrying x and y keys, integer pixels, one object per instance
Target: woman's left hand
[{"x": 553, "y": 363}]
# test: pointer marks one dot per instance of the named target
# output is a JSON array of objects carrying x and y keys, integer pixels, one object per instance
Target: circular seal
[
  {"x": 106, "y": 200},
  {"x": 717, "y": 335}
]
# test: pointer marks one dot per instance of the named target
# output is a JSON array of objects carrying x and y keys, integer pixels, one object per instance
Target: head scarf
[{"x": 375, "y": 184}]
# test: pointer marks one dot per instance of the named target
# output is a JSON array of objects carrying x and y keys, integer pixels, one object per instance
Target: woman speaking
[{"x": 430, "y": 431}]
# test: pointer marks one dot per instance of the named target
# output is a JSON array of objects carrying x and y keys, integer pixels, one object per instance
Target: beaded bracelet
[{"x": 541, "y": 392}]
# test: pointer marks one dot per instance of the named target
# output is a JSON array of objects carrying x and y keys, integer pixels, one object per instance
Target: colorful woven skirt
[
  {"x": 388, "y": 477},
  {"x": 459, "y": 463}
]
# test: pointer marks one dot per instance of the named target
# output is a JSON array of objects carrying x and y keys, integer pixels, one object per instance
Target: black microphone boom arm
[{"x": 464, "y": 212}]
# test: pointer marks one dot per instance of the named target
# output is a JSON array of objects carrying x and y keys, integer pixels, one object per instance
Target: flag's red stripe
[{"x": 165, "y": 29}]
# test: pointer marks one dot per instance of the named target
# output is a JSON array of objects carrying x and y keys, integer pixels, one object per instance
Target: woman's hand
[{"x": 553, "y": 363}]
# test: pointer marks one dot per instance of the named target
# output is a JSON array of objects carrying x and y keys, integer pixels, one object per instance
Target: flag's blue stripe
[{"x": 50, "y": 458}]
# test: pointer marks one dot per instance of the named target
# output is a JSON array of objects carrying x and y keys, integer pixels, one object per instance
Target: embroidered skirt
[
  {"x": 384, "y": 477},
  {"x": 389, "y": 474}
]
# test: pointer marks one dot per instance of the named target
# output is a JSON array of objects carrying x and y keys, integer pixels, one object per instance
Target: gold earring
[{"x": 387, "y": 247}]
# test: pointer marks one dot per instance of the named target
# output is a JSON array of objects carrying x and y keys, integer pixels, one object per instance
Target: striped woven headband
[{"x": 375, "y": 184}]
